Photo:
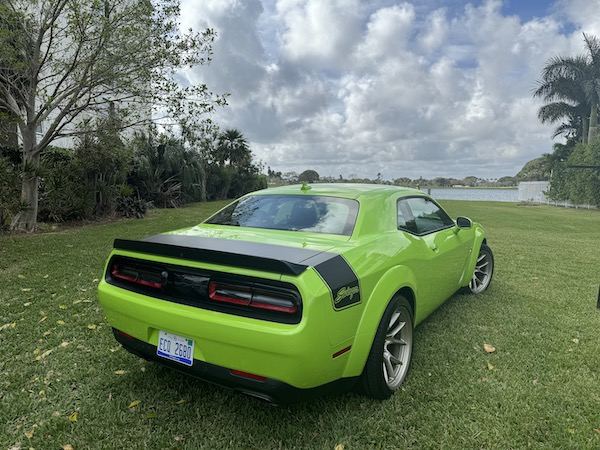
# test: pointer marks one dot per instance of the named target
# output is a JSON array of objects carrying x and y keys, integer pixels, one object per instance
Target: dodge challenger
[{"x": 295, "y": 290}]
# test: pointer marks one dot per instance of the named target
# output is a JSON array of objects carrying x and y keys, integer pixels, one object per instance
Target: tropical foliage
[
  {"x": 61, "y": 60},
  {"x": 105, "y": 175},
  {"x": 537, "y": 169},
  {"x": 570, "y": 86},
  {"x": 309, "y": 176},
  {"x": 9, "y": 190},
  {"x": 575, "y": 180}
]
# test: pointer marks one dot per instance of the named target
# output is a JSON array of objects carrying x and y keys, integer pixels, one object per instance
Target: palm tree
[
  {"x": 233, "y": 148},
  {"x": 571, "y": 88}
]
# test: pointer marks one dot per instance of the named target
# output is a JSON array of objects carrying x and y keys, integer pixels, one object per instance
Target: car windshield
[{"x": 321, "y": 214}]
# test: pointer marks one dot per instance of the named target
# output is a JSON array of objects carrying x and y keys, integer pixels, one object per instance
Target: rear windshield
[{"x": 332, "y": 215}]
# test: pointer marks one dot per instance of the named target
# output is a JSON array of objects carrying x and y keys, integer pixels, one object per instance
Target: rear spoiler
[
  {"x": 333, "y": 268},
  {"x": 249, "y": 255}
]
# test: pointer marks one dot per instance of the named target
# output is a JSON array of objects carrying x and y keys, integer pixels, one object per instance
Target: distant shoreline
[{"x": 473, "y": 187}]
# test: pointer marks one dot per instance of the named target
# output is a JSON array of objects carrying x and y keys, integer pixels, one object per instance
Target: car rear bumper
[
  {"x": 299, "y": 355},
  {"x": 270, "y": 390}
]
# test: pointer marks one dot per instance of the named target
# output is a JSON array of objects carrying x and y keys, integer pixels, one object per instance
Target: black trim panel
[
  {"x": 270, "y": 390},
  {"x": 342, "y": 281},
  {"x": 189, "y": 286},
  {"x": 250, "y": 255},
  {"x": 333, "y": 268}
]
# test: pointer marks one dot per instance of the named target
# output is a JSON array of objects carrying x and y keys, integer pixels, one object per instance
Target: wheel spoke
[
  {"x": 481, "y": 274},
  {"x": 395, "y": 360},
  {"x": 388, "y": 364},
  {"x": 397, "y": 347},
  {"x": 396, "y": 329},
  {"x": 395, "y": 340}
]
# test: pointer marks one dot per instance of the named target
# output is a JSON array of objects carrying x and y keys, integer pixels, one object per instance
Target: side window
[
  {"x": 421, "y": 216},
  {"x": 406, "y": 221}
]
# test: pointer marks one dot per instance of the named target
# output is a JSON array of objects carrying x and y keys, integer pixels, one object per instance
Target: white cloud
[
  {"x": 435, "y": 30},
  {"x": 584, "y": 14},
  {"x": 388, "y": 31},
  {"x": 394, "y": 88},
  {"x": 318, "y": 32}
]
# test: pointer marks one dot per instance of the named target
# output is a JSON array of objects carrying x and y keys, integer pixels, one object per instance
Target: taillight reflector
[
  {"x": 254, "y": 298},
  {"x": 227, "y": 293},
  {"x": 135, "y": 279},
  {"x": 248, "y": 375},
  {"x": 341, "y": 352}
]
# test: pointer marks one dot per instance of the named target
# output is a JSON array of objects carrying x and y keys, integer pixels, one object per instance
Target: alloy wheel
[
  {"x": 483, "y": 272},
  {"x": 397, "y": 347}
]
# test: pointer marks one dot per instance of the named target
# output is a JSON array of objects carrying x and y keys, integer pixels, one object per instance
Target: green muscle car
[{"x": 296, "y": 289}]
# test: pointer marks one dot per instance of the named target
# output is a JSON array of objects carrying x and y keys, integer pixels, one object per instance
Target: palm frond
[
  {"x": 555, "y": 111},
  {"x": 593, "y": 45},
  {"x": 570, "y": 67},
  {"x": 560, "y": 89},
  {"x": 565, "y": 129}
]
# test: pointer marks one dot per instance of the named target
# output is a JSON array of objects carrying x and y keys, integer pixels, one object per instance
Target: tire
[
  {"x": 483, "y": 273},
  {"x": 375, "y": 381}
]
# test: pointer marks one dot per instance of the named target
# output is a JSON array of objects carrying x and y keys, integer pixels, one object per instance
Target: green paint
[{"x": 385, "y": 259}]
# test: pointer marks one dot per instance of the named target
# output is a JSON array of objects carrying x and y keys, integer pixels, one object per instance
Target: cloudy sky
[{"x": 425, "y": 88}]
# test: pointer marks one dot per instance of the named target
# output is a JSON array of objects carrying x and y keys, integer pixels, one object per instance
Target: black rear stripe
[
  {"x": 247, "y": 254},
  {"x": 333, "y": 268},
  {"x": 342, "y": 281}
]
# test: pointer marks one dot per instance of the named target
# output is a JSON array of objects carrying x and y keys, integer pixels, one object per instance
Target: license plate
[{"x": 175, "y": 348}]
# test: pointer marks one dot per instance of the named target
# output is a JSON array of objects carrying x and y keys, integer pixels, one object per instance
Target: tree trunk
[
  {"x": 26, "y": 220},
  {"x": 203, "y": 184},
  {"x": 593, "y": 122},
  {"x": 585, "y": 130}
]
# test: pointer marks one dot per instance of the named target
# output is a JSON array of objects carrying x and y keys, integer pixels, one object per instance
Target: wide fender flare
[
  {"x": 479, "y": 237},
  {"x": 395, "y": 279}
]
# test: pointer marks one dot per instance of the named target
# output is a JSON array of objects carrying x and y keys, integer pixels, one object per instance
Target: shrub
[
  {"x": 580, "y": 186},
  {"x": 63, "y": 194},
  {"x": 103, "y": 161},
  {"x": 10, "y": 193},
  {"x": 246, "y": 180},
  {"x": 310, "y": 176},
  {"x": 583, "y": 185},
  {"x": 131, "y": 207},
  {"x": 156, "y": 171}
]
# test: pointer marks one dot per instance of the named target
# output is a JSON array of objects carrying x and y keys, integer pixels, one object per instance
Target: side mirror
[{"x": 463, "y": 222}]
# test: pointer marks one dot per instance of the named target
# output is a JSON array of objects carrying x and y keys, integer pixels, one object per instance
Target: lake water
[{"x": 489, "y": 195}]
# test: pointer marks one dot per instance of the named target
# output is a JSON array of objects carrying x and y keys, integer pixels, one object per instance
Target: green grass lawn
[{"x": 541, "y": 388}]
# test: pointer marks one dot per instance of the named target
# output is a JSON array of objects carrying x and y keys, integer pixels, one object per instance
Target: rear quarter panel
[
  {"x": 387, "y": 261},
  {"x": 376, "y": 255}
]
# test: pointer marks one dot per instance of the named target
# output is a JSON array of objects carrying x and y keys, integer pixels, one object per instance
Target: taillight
[
  {"x": 137, "y": 276},
  {"x": 271, "y": 300},
  {"x": 222, "y": 292},
  {"x": 253, "y": 297}
]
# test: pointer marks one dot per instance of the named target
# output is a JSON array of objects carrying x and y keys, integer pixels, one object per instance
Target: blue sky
[
  {"x": 527, "y": 9},
  {"x": 352, "y": 87}
]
